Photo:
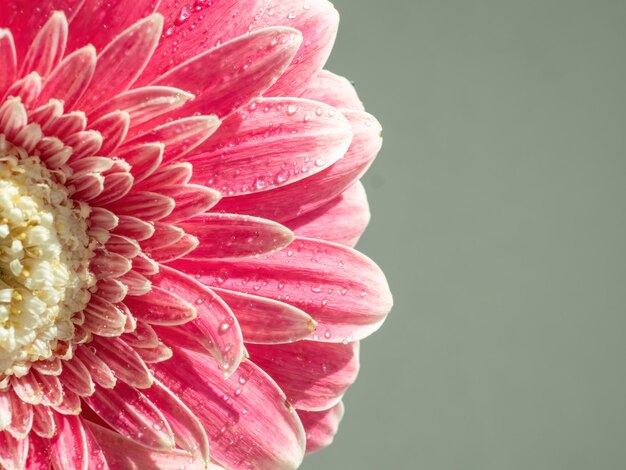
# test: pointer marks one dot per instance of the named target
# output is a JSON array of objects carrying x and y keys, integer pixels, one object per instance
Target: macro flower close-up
[{"x": 179, "y": 205}]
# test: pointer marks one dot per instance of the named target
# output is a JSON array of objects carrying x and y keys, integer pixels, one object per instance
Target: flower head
[{"x": 178, "y": 198}]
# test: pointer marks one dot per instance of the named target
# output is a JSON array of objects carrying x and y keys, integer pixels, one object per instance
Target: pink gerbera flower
[{"x": 176, "y": 279}]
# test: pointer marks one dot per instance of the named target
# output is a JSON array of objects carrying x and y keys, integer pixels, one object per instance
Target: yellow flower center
[{"x": 44, "y": 260}]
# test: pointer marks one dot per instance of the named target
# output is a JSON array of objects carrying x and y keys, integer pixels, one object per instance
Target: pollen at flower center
[{"x": 44, "y": 258}]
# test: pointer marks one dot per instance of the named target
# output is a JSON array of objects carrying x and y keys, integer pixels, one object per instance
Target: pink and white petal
[
  {"x": 70, "y": 78},
  {"x": 68, "y": 448},
  {"x": 270, "y": 143},
  {"x": 5, "y": 409},
  {"x": 167, "y": 175},
  {"x": 125, "y": 363},
  {"x": 342, "y": 220},
  {"x": 164, "y": 234},
  {"x": 191, "y": 30},
  {"x": 133, "y": 415},
  {"x": 122, "y": 61},
  {"x": 21, "y": 416},
  {"x": 70, "y": 404},
  {"x": 143, "y": 336},
  {"x": 162, "y": 306},
  {"x": 27, "y": 389},
  {"x": 215, "y": 326},
  {"x": 103, "y": 318},
  {"x": 190, "y": 199},
  {"x": 179, "y": 137},
  {"x": 38, "y": 453},
  {"x": 343, "y": 290},
  {"x": 43, "y": 421},
  {"x": 318, "y": 21},
  {"x": 135, "y": 456},
  {"x": 188, "y": 431},
  {"x": 8, "y": 60},
  {"x": 113, "y": 127},
  {"x": 233, "y": 235},
  {"x": 114, "y": 17},
  {"x": 227, "y": 77},
  {"x": 25, "y": 17},
  {"x": 265, "y": 321},
  {"x": 321, "y": 426},
  {"x": 313, "y": 375},
  {"x": 288, "y": 202},
  {"x": 100, "y": 372},
  {"x": 144, "y": 205},
  {"x": 144, "y": 104},
  {"x": 248, "y": 408},
  {"x": 13, "y": 452},
  {"x": 109, "y": 265},
  {"x": 144, "y": 159},
  {"x": 76, "y": 377},
  {"x": 48, "y": 47},
  {"x": 133, "y": 227},
  {"x": 334, "y": 90}
]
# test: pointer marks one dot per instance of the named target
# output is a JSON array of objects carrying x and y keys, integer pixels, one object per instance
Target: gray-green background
[{"x": 499, "y": 210}]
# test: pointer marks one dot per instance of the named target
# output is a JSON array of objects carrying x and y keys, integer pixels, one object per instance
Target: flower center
[{"x": 44, "y": 259}]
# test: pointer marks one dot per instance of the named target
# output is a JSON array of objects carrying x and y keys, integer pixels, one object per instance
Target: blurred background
[{"x": 499, "y": 216}]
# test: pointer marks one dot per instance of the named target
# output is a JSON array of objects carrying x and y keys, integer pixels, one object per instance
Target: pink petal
[
  {"x": 144, "y": 159},
  {"x": 70, "y": 79},
  {"x": 334, "y": 90},
  {"x": 68, "y": 448},
  {"x": 143, "y": 336},
  {"x": 229, "y": 76},
  {"x": 136, "y": 456},
  {"x": 342, "y": 220},
  {"x": 76, "y": 377},
  {"x": 232, "y": 235},
  {"x": 48, "y": 48},
  {"x": 162, "y": 306},
  {"x": 266, "y": 321},
  {"x": 144, "y": 205},
  {"x": 27, "y": 389},
  {"x": 270, "y": 143},
  {"x": 13, "y": 452},
  {"x": 190, "y": 199},
  {"x": 132, "y": 415},
  {"x": 21, "y": 416},
  {"x": 110, "y": 265},
  {"x": 191, "y": 30},
  {"x": 144, "y": 104},
  {"x": 158, "y": 354},
  {"x": 188, "y": 431},
  {"x": 5, "y": 410},
  {"x": 127, "y": 366},
  {"x": 38, "y": 453},
  {"x": 116, "y": 16},
  {"x": 70, "y": 404},
  {"x": 100, "y": 372},
  {"x": 313, "y": 375},
  {"x": 248, "y": 409},
  {"x": 43, "y": 421},
  {"x": 176, "y": 173},
  {"x": 343, "y": 290},
  {"x": 133, "y": 227},
  {"x": 122, "y": 61},
  {"x": 318, "y": 22},
  {"x": 103, "y": 318},
  {"x": 113, "y": 127},
  {"x": 303, "y": 196},
  {"x": 215, "y": 325},
  {"x": 321, "y": 426},
  {"x": 179, "y": 137},
  {"x": 8, "y": 60},
  {"x": 136, "y": 283}
]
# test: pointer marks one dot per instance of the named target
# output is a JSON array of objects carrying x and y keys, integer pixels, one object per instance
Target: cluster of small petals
[{"x": 179, "y": 197}]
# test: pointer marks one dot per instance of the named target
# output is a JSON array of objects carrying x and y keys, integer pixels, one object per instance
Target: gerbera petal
[
  {"x": 270, "y": 143},
  {"x": 248, "y": 408},
  {"x": 122, "y": 61},
  {"x": 193, "y": 29},
  {"x": 132, "y": 415},
  {"x": 190, "y": 199},
  {"x": 342, "y": 220},
  {"x": 234, "y": 235},
  {"x": 313, "y": 375},
  {"x": 162, "y": 306},
  {"x": 21, "y": 416},
  {"x": 38, "y": 453},
  {"x": 253, "y": 62},
  {"x": 136, "y": 456},
  {"x": 321, "y": 426},
  {"x": 334, "y": 90},
  {"x": 43, "y": 421},
  {"x": 303, "y": 196},
  {"x": 13, "y": 452},
  {"x": 48, "y": 48},
  {"x": 187, "y": 429},
  {"x": 76, "y": 377},
  {"x": 8, "y": 60},
  {"x": 113, "y": 127},
  {"x": 127, "y": 366},
  {"x": 318, "y": 21},
  {"x": 100, "y": 372},
  {"x": 68, "y": 448},
  {"x": 70, "y": 78},
  {"x": 266, "y": 321},
  {"x": 215, "y": 326},
  {"x": 114, "y": 17},
  {"x": 343, "y": 290}
]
